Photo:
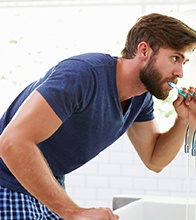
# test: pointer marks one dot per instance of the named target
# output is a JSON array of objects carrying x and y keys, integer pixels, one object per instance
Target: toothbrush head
[
  {"x": 172, "y": 84},
  {"x": 180, "y": 90}
]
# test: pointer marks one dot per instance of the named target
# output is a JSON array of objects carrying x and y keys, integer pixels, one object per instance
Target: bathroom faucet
[
  {"x": 193, "y": 149},
  {"x": 190, "y": 140},
  {"x": 187, "y": 141}
]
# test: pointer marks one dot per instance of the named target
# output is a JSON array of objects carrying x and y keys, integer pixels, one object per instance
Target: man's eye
[{"x": 175, "y": 58}]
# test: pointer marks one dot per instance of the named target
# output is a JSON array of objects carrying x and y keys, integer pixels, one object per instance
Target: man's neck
[{"x": 127, "y": 79}]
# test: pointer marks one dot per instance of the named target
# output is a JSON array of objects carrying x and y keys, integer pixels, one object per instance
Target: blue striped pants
[{"x": 17, "y": 206}]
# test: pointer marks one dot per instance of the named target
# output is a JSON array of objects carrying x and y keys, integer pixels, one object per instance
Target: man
[{"x": 80, "y": 107}]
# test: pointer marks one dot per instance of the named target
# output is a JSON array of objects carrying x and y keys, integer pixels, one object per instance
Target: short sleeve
[
  {"x": 147, "y": 109},
  {"x": 66, "y": 88}
]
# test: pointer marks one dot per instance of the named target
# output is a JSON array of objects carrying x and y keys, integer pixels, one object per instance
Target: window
[{"x": 35, "y": 35}]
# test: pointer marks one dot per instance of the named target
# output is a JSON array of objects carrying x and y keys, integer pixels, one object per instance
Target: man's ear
[{"x": 144, "y": 51}]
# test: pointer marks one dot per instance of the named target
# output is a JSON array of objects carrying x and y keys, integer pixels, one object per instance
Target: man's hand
[
  {"x": 93, "y": 213},
  {"x": 192, "y": 107},
  {"x": 186, "y": 108},
  {"x": 181, "y": 105}
]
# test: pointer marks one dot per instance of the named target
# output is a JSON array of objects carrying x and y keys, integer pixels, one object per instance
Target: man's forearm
[
  {"x": 28, "y": 165},
  {"x": 169, "y": 143}
]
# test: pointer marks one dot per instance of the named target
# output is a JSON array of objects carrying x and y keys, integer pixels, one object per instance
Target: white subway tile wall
[{"x": 119, "y": 170}]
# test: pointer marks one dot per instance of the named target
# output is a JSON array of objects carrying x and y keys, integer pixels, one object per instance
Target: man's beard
[{"x": 152, "y": 79}]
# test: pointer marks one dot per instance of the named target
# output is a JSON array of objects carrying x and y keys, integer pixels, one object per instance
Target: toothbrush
[{"x": 180, "y": 90}]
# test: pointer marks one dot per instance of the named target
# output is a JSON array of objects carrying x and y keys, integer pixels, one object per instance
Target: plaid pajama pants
[{"x": 17, "y": 206}]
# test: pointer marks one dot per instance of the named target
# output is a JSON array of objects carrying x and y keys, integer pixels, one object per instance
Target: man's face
[
  {"x": 166, "y": 66},
  {"x": 152, "y": 79}
]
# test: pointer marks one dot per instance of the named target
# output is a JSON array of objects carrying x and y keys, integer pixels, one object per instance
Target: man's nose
[{"x": 179, "y": 72}]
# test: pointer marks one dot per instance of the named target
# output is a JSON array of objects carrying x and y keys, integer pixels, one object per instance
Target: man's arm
[
  {"x": 34, "y": 122},
  {"x": 158, "y": 149}
]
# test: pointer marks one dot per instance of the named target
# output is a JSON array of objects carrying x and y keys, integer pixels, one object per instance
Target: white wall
[{"x": 119, "y": 171}]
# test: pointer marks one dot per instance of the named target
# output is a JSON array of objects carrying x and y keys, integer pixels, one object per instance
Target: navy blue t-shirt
[{"x": 82, "y": 91}]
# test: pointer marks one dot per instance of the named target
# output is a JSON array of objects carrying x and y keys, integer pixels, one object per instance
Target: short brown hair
[{"x": 158, "y": 31}]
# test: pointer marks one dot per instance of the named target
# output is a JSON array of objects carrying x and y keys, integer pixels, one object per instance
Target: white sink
[{"x": 158, "y": 208}]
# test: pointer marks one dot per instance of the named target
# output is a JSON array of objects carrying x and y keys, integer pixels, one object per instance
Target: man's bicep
[
  {"x": 35, "y": 120},
  {"x": 143, "y": 136}
]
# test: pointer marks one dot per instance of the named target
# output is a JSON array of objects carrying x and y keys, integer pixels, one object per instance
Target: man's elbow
[
  {"x": 6, "y": 146},
  {"x": 154, "y": 168}
]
